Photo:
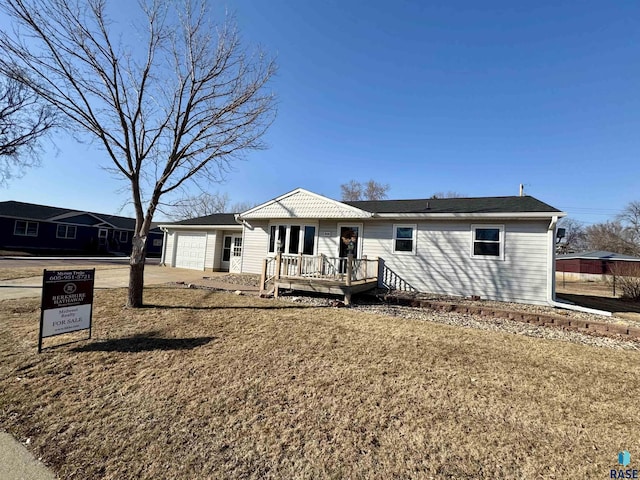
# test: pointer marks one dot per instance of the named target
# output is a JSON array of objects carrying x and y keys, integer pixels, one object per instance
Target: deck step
[{"x": 267, "y": 292}]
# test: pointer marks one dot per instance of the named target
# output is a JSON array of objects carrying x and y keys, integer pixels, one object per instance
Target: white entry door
[
  {"x": 235, "y": 264},
  {"x": 190, "y": 250}
]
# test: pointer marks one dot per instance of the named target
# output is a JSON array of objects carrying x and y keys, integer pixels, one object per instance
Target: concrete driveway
[{"x": 115, "y": 277}]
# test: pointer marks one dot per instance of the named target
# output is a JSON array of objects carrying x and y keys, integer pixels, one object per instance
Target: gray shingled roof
[
  {"x": 214, "y": 219},
  {"x": 33, "y": 211},
  {"x": 597, "y": 255},
  {"x": 456, "y": 205}
]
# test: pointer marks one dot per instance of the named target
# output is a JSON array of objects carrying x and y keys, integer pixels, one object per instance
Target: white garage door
[{"x": 190, "y": 250}]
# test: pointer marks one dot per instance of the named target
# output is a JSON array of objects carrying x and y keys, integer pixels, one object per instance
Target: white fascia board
[
  {"x": 454, "y": 216},
  {"x": 200, "y": 227},
  {"x": 101, "y": 221},
  {"x": 75, "y": 213},
  {"x": 359, "y": 213}
]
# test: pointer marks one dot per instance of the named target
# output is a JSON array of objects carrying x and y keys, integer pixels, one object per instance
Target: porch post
[
  {"x": 349, "y": 269},
  {"x": 277, "y": 276},
  {"x": 364, "y": 263},
  {"x": 263, "y": 274},
  {"x": 278, "y": 265}
]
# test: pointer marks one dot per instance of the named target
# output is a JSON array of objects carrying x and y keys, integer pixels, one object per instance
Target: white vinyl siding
[
  {"x": 254, "y": 246},
  {"x": 209, "y": 257},
  {"x": 328, "y": 238},
  {"x": 218, "y": 250},
  {"x": 169, "y": 252},
  {"x": 443, "y": 264}
]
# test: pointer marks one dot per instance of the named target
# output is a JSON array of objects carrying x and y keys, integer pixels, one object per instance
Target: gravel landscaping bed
[{"x": 372, "y": 304}]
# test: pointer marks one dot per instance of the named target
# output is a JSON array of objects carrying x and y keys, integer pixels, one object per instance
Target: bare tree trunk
[{"x": 136, "y": 272}]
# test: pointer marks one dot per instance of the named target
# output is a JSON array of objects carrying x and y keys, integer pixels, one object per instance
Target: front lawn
[{"x": 212, "y": 385}]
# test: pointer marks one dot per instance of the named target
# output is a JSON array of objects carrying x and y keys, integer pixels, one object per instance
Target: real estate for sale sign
[{"x": 67, "y": 301}]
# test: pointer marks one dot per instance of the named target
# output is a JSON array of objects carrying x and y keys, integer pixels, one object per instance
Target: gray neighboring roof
[
  {"x": 513, "y": 204},
  {"x": 32, "y": 211},
  {"x": 213, "y": 219},
  {"x": 598, "y": 255}
]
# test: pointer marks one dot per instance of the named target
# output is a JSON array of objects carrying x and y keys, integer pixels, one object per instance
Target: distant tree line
[{"x": 620, "y": 235}]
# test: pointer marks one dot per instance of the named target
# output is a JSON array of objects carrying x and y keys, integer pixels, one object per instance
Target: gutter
[
  {"x": 241, "y": 221},
  {"x": 551, "y": 283}
]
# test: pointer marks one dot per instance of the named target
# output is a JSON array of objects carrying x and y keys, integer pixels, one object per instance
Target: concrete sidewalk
[
  {"x": 18, "y": 463},
  {"x": 116, "y": 277}
]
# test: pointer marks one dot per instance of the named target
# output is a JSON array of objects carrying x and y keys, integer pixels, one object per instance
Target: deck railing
[{"x": 320, "y": 267}]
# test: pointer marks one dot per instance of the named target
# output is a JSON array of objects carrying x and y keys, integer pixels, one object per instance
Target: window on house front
[
  {"x": 292, "y": 239},
  {"x": 123, "y": 237},
  {"x": 66, "y": 231},
  {"x": 404, "y": 238},
  {"x": 488, "y": 241},
  {"x": 309, "y": 240},
  {"x": 24, "y": 228}
]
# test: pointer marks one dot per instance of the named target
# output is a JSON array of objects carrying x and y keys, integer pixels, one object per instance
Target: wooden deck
[
  {"x": 332, "y": 287},
  {"x": 319, "y": 274}
]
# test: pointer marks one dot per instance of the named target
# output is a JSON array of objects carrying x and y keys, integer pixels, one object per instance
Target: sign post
[{"x": 67, "y": 302}]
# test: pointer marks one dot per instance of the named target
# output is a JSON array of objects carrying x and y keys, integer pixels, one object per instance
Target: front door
[
  {"x": 235, "y": 264},
  {"x": 348, "y": 243},
  {"x": 226, "y": 253},
  {"x": 103, "y": 239}
]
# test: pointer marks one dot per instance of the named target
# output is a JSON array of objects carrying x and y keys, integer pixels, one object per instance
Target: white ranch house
[{"x": 497, "y": 248}]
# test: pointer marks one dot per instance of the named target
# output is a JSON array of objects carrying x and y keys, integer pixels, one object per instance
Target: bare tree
[
  {"x": 574, "y": 236},
  {"x": 354, "y": 191},
  {"x": 175, "y": 102},
  {"x": 205, "y": 204},
  {"x": 24, "y": 120},
  {"x": 611, "y": 236},
  {"x": 630, "y": 219}
]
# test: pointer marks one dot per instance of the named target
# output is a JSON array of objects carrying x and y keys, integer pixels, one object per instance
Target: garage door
[{"x": 190, "y": 249}]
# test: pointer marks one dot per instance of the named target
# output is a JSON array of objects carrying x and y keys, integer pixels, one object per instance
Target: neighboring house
[
  {"x": 41, "y": 228},
  {"x": 595, "y": 265},
  {"x": 500, "y": 248},
  {"x": 212, "y": 242}
]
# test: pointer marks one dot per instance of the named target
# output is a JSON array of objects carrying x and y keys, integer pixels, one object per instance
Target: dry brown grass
[
  {"x": 211, "y": 385},
  {"x": 27, "y": 272}
]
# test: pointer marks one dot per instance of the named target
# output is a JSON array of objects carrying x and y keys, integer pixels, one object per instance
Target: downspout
[
  {"x": 164, "y": 246},
  {"x": 551, "y": 278}
]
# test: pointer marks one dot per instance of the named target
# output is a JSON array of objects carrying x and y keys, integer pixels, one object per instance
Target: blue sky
[{"x": 465, "y": 96}]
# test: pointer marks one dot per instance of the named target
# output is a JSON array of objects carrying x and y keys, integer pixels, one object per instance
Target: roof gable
[{"x": 302, "y": 203}]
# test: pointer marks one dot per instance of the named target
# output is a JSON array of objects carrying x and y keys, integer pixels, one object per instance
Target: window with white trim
[
  {"x": 292, "y": 239},
  {"x": 26, "y": 229},
  {"x": 123, "y": 236},
  {"x": 487, "y": 241},
  {"x": 404, "y": 238},
  {"x": 66, "y": 231}
]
